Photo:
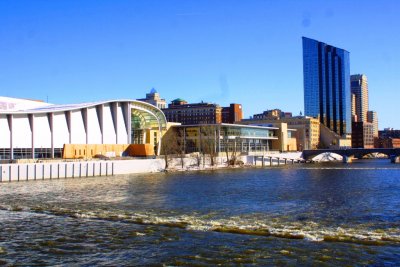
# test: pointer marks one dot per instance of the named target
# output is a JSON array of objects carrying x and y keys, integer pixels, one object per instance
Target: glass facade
[
  {"x": 359, "y": 88},
  {"x": 327, "y": 94},
  {"x": 227, "y": 138}
]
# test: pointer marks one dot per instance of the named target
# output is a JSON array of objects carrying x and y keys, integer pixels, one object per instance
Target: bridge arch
[
  {"x": 373, "y": 155},
  {"x": 325, "y": 156},
  {"x": 392, "y": 153}
]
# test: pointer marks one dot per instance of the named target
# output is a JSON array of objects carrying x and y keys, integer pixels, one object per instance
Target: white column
[
  {"x": 31, "y": 119},
  {"x": 68, "y": 119},
  {"x": 10, "y": 125},
  {"x": 129, "y": 123},
  {"x": 50, "y": 117},
  {"x": 99, "y": 110},
  {"x": 114, "y": 114},
  {"x": 84, "y": 113}
]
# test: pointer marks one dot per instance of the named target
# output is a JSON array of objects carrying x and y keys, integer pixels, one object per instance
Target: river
[{"x": 323, "y": 214}]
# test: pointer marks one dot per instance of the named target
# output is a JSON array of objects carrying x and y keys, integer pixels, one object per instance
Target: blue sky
[{"x": 247, "y": 52}]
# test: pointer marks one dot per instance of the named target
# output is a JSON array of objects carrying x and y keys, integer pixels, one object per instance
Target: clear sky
[{"x": 247, "y": 52}]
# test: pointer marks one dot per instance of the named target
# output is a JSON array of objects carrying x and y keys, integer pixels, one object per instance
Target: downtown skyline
[{"x": 248, "y": 53}]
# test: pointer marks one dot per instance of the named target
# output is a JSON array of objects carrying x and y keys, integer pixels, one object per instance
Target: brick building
[
  {"x": 232, "y": 114},
  {"x": 388, "y": 138},
  {"x": 186, "y": 113},
  {"x": 362, "y": 135},
  {"x": 272, "y": 114}
]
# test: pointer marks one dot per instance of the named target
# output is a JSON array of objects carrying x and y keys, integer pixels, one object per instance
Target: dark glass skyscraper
[{"x": 327, "y": 93}]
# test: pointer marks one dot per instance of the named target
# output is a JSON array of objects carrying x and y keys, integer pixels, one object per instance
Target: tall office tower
[
  {"x": 359, "y": 87},
  {"x": 372, "y": 117},
  {"x": 353, "y": 108},
  {"x": 327, "y": 92}
]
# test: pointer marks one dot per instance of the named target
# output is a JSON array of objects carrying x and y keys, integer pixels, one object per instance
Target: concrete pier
[
  {"x": 273, "y": 161},
  {"x": 394, "y": 159}
]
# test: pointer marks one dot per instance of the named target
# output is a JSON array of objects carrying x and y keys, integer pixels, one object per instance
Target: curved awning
[{"x": 147, "y": 115}]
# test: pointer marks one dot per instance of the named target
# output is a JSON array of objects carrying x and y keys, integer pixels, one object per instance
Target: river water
[{"x": 322, "y": 214}]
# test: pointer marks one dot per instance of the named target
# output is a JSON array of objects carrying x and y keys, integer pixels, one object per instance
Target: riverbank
[
  {"x": 85, "y": 168},
  {"x": 92, "y": 168},
  {"x": 193, "y": 163}
]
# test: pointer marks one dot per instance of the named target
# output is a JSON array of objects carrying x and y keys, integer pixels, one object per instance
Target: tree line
[{"x": 206, "y": 146}]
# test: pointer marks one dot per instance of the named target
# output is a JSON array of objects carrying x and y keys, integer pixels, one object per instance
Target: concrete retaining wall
[
  {"x": 57, "y": 170},
  {"x": 255, "y": 160}
]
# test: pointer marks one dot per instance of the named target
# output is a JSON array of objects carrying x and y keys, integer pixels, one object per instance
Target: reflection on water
[{"x": 304, "y": 214}]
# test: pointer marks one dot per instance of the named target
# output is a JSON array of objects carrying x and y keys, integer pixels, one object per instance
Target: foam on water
[{"x": 247, "y": 225}]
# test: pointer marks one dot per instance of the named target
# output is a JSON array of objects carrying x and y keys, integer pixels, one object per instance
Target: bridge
[{"x": 350, "y": 153}]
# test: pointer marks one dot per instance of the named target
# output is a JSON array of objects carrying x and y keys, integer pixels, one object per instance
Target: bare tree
[
  {"x": 170, "y": 146},
  {"x": 230, "y": 148},
  {"x": 197, "y": 157},
  {"x": 208, "y": 143},
  {"x": 194, "y": 146},
  {"x": 180, "y": 143}
]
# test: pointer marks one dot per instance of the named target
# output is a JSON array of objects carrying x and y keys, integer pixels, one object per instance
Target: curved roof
[
  {"x": 14, "y": 104},
  {"x": 153, "y": 91},
  {"x": 152, "y": 113}
]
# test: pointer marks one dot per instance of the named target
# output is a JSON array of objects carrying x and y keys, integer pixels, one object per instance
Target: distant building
[
  {"x": 232, "y": 114},
  {"x": 307, "y": 132},
  {"x": 362, "y": 135},
  {"x": 241, "y": 139},
  {"x": 360, "y": 108},
  {"x": 372, "y": 117},
  {"x": 177, "y": 102},
  {"x": 389, "y": 133},
  {"x": 327, "y": 94},
  {"x": 201, "y": 113},
  {"x": 353, "y": 108},
  {"x": 197, "y": 113},
  {"x": 359, "y": 88},
  {"x": 388, "y": 138},
  {"x": 154, "y": 98},
  {"x": 387, "y": 142},
  {"x": 361, "y": 113},
  {"x": 272, "y": 113}
]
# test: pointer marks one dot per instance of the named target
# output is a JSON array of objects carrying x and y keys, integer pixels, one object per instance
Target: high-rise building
[
  {"x": 359, "y": 87},
  {"x": 362, "y": 135},
  {"x": 327, "y": 94},
  {"x": 372, "y": 117},
  {"x": 154, "y": 98},
  {"x": 353, "y": 108},
  {"x": 360, "y": 112}
]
